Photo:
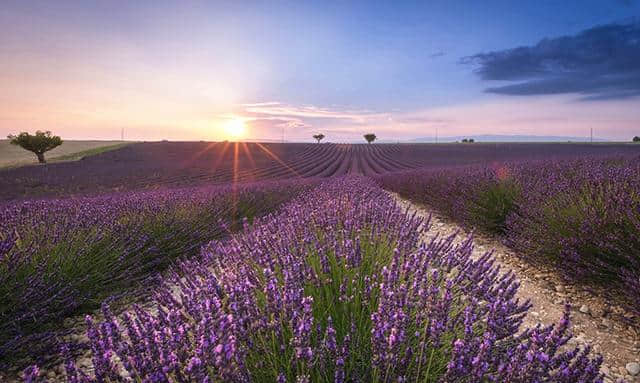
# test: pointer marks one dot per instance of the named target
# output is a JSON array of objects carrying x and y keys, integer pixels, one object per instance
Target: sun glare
[{"x": 235, "y": 128}]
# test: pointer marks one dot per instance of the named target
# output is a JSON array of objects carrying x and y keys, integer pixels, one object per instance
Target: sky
[{"x": 209, "y": 70}]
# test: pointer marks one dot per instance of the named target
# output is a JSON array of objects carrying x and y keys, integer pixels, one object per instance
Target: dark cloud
[{"x": 599, "y": 63}]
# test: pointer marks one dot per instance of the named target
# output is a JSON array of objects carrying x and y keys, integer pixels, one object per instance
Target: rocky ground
[{"x": 595, "y": 321}]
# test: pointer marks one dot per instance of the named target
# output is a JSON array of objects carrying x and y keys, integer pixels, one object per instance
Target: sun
[{"x": 235, "y": 128}]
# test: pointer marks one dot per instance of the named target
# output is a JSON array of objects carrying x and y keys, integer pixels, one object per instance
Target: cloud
[
  {"x": 283, "y": 110},
  {"x": 600, "y": 63}
]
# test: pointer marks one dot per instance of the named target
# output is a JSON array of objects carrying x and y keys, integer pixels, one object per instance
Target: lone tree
[
  {"x": 636, "y": 139},
  {"x": 38, "y": 143},
  {"x": 318, "y": 137},
  {"x": 370, "y": 137}
]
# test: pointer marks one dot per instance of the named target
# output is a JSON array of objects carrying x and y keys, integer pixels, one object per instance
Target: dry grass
[{"x": 12, "y": 155}]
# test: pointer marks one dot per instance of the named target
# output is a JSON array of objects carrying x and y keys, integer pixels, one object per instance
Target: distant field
[
  {"x": 11, "y": 155},
  {"x": 171, "y": 164}
]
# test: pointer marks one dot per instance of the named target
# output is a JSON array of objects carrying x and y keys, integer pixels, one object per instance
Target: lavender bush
[
  {"x": 60, "y": 257},
  {"x": 338, "y": 286},
  {"x": 582, "y": 214}
]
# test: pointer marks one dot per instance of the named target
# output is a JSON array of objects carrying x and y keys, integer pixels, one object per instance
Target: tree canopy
[
  {"x": 370, "y": 137},
  {"x": 318, "y": 137},
  {"x": 38, "y": 143}
]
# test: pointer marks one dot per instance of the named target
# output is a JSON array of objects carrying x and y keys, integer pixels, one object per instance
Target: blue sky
[{"x": 184, "y": 70}]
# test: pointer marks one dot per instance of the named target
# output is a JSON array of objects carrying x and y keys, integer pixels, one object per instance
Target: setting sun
[{"x": 235, "y": 128}]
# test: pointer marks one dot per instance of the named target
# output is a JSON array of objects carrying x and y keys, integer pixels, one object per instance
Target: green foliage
[
  {"x": 38, "y": 143},
  {"x": 493, "y": 203},
  {"x": 370, "y": 137}
]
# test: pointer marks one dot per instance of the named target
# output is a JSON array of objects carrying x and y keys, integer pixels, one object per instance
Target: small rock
[
  {"x": 584, "y": 309},
  {"x": 597, "y": 312},
  {"x": 633, "y": 368},
  {"x": 559, "y": 288}
]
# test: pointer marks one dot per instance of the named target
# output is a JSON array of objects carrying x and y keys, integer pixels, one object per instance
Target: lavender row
[
  {"x": 582, "y": 215},
  {"x": 338, "y": 286},
  {"x": 60, "y": 257}
]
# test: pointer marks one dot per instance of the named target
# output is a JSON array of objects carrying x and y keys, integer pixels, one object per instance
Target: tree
[
  {"x": 318, "y": 137},
  {"x": 465, "y": 140},
  {"x": 38, "y": 143},
  {"x": 370, "y": 137},
  {"x": 636, "y": 139}
]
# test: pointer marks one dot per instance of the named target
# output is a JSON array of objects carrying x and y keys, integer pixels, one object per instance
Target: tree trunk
[{"x": 41, "y": 158}]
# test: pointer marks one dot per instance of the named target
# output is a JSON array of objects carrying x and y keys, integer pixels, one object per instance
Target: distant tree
[
  {"x": 370, "y": 137},
  {"x": 465, "y": 140},
  {"x": 636, "y": 139},
  {"x": 318, "y": 137},
  {"x": 471, "y": 140},
  {"x": 38, "y": 143}
]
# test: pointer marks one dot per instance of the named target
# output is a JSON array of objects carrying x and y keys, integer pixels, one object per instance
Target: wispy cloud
[
  {"x": 270, "y": 118},
  {"x": 260, "y": 110}
]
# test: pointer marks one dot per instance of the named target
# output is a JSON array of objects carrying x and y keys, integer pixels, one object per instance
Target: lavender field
[
  {"x": 154, "y": 165},
  {"x": 293, "y": 263}
]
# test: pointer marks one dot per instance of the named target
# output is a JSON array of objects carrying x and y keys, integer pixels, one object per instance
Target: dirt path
[{"x": 594, "y": 321}]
